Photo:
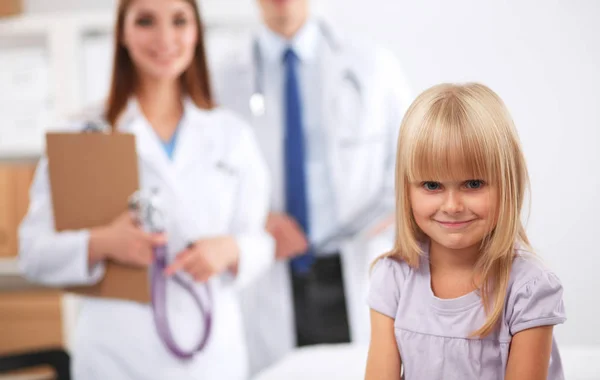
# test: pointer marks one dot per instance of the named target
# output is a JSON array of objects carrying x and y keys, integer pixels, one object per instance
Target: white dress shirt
[{"x": 306, "y": 44}]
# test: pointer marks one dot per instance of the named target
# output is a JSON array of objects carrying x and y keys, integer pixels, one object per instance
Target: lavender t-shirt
[{"x": 432, "y": 334}]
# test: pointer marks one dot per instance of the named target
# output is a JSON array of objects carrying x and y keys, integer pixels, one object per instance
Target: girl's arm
[
  {"x": 529, "y": 356},
  {"x": 383, "y": 362}
]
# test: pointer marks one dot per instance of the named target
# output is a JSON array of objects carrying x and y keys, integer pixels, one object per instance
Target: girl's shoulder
[
  {"x": 527, "y": 267},
  {"x": 388, "y": 279},
  {"x": 393, "y": 267},
  {"x": 535, "y": 294}
]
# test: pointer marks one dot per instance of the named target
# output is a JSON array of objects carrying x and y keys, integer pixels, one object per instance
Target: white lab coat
[
  {"x": 361, "y": 133},
  {"x": 217, "y": 184}
]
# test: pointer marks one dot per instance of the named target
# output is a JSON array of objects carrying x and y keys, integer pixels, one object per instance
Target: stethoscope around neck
[{"x": 257, "y": 101}]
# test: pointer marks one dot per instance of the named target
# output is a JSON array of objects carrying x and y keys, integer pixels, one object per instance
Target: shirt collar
[
  {"x": 133, "y": 112},
  {"x": 304, "y": 42}
]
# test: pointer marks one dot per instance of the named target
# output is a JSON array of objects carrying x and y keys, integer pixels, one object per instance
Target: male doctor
[{"x": 326, "y": 111}]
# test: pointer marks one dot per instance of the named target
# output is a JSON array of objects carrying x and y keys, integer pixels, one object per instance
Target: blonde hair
[{"x": 464, "y": 131}]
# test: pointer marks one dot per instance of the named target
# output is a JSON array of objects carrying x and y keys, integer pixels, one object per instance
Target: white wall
[{"x": 543, "y": 58}]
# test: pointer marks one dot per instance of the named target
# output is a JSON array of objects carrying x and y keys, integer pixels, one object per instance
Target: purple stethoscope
[{"x": 145, "y": 210}]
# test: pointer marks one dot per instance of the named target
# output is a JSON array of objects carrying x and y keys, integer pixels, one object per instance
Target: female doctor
[{"x": 211, "y": 177}]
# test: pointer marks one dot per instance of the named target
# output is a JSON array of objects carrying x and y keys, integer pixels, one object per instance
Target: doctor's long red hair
[{"x": 195, "y": 79}]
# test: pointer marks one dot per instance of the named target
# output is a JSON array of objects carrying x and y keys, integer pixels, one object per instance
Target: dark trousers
[{"x": 320, "y": 304}]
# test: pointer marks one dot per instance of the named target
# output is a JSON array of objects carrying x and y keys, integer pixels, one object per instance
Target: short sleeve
[
  {"x": 384, "y": 289},
  {"x": 539, "y": 302}
]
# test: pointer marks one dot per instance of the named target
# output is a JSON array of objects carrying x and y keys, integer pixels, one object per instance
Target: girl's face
[
  {"x": 454, "y": 214},
  {"x": 161, "y": 37}
]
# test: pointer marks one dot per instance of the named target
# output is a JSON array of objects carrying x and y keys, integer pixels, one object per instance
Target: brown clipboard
[{"x": 92, "y": 175}]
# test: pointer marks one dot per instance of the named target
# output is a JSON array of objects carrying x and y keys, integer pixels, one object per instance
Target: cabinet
[
  {"x": 15, "y": 180},
  {"x": 30, "y": 319}
]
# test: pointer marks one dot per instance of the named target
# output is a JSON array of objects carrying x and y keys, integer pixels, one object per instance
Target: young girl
[{"x": 460, "y": 296}]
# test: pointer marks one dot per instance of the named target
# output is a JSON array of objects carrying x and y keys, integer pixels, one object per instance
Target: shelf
[
  {"x": 46, "y": 23},
  {"x": 214, "y": 14}
]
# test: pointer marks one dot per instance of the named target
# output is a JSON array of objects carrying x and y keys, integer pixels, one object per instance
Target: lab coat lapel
[
  {"x": 193, "y": 141},
  {"x": 191, "y": 144},
  {"x": 336, "y": 65},
  {"x": 269, "y": 127},
  {"x": 148, "y": 146},
  {"x": 235, "y": 85}
]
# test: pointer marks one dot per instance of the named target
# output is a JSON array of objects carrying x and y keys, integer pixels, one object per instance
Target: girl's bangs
[{"x": 450, "y": 147}]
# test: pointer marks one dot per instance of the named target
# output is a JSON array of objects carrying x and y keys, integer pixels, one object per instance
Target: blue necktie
[{"x": 295, "y": 176}]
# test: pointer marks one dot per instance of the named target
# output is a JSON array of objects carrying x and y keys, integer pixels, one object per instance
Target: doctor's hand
[
  {"x": 206, "y": 258},
  {"x": 290, "y": 240},
  {"x": 124, "y": 242}
]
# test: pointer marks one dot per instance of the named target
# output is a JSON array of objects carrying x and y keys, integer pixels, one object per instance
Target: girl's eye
[
  {"x": 431, "y": 186},
  {"x": 474, "y": 184}
]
